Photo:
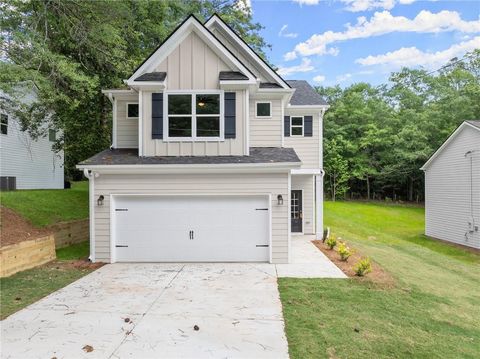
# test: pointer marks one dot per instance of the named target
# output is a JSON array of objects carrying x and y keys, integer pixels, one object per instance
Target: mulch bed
[
  {"x": 15, "y": 229},
  {"x": 378, "y": 275}
]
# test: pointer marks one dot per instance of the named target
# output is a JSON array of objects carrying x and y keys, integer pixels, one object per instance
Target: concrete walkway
[
  {"x": 307, "y": 261},
  {"x": 150, "y": 310}
]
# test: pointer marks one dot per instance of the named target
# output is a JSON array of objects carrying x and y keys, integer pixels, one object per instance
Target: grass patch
[
  {"x": 75, "y": 251},
  {"x": 46, "y": 207},
  {"x": 432, "y": 311},
  {"x": 25, "y": 288}
]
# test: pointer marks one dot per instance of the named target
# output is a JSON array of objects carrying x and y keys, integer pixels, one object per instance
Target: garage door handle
[
  {"x": 121, "y": 246},
  {"x": 262, "y": 245},
  {"x": 261, "y": 209}
]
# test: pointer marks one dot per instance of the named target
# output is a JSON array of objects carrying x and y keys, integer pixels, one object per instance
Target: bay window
[{"x": 194, "y": 116}]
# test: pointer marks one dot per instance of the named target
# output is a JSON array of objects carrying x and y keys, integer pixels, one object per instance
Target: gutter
[{"x": 91, "y": 207}]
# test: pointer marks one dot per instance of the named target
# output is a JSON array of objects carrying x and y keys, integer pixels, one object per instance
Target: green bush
[
  {"x": 344, "y": 251},
  {"x": 331, "y": 242},
  {"x": 363, "y": 267}
]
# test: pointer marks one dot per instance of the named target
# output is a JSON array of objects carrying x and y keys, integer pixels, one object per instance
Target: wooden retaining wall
[
  {"x": 67, "y": 233},
  {"x": 25, "y": 255}
]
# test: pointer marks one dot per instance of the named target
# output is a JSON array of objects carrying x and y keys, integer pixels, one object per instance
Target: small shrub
[
  {"x": 363, "y": 267},
  {"x": 344, "y": 251},
  {"x": 331, "y": 242}
]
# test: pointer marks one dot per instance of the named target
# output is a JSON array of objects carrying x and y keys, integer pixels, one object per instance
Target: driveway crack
[{"x": 130, "y": 332}]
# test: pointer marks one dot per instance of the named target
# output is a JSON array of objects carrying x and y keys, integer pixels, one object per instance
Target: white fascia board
[
  {"x": 307, "y": 107},
  {"x": 207, "y": 168},
  {"x": 117, "y": 91},
  {"x": 145, "y": 86},
  {"x": 445, "y": 144},
  {"x": 216, "y": 20},
  {"x": 192, "y": 24},
  {"x": 307, "y": 171}
]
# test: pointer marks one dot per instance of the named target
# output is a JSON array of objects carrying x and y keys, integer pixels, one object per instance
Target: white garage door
[{"x": 191, "y": 229}]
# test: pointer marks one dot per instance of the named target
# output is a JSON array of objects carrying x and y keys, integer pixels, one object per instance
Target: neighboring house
[
  {"x": 215, "y": 157},
  {"x": 452, "y": 188},
  {"x": 27, "y": 163}
]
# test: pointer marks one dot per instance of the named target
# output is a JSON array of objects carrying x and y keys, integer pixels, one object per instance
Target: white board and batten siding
[
  {"x": 194, "y": 184},
  {"x": 447, "y": 190},
  {"x": 193, "y": 65},
  {"x": 33, "y": 162},
  {"x": 127, "y": 128}
]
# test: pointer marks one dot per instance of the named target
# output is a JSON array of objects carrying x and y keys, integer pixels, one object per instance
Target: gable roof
[
  {"x": 305, "y": 95},
  {"x": 152, "y": 76},
  {"x": 190, "y": 24},
  {"x": 216, "y": 19},
  {"x": 472, "y": 124},
  {"x": 231, "y": 75}
]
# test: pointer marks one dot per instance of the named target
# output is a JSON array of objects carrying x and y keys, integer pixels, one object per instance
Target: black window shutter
[
  {"x": 308, "y": 126},
  {"x": 157, "y": 115},
  {"x": 286, "y": 126},
  {"x": 230, "y": 114}
]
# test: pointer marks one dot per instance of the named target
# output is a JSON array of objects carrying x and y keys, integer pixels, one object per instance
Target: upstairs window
[
  {"x": 3, "y": 124},
  {"x": 132, "y": 110},
  {"x": 52, "y": 135},
  {"x": 263, "y": 109},
  {"x": 194, "y": 116},
  {"x": 296, "y": 126}
]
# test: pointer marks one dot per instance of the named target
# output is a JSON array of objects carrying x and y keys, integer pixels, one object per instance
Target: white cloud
[
  {"x": 383, "y": 23},
  {"x": 364, "y": 5},
  {"x": 411, "y": 56},
  {"x": 292, "y": 55},
  {"x": 344, "y": 77},
  {"x": 283, "y": 33},
  {"x": 244, "y": 5},
  {"x": 307, "y": 2},
  {"x": 305, "y": 66},
  {"x": 319, "y": 78}
]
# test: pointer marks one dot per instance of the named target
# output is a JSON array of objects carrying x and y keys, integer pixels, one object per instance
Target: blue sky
[{"x": 384, "y": 35}]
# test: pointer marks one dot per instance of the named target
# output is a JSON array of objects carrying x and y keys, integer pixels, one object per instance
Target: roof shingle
[
  {"x": 305, "y": 95},
  {"x": 231, "y": 75},
  {"x": 129, "y": 156},
  {"x": 152, "y": 76}
]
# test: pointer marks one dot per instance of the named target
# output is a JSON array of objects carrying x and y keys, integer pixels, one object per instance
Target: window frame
[
  {"x": 126, "y": 108},
  {"x": 256, "y": 109},
  {"x": 4, "y": 124},
  {"x": 50, "y": 131},
  {"x": 193, "y": 115},
  {"x": 302, "y": 126}
]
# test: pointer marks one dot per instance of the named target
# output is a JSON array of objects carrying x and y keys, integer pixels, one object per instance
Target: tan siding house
[{"x": 214, "y": 157}]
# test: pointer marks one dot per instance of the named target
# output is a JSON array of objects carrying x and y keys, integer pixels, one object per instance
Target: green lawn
[
  {"x": 433, "y": 310},
  {"x": 45, "y": 207},
  {"x": 24, "y": 288}
]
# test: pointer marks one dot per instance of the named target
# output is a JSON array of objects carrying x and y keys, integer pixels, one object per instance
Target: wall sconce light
[
  {"x": 280, "y": 200},
  {"x": 100, "y": 200}
]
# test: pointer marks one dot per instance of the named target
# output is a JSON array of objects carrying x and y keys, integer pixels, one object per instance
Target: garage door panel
[{"x": 192, "y": 228}]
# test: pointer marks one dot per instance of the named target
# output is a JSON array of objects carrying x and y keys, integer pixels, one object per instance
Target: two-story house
[{"x": 215, "y": 157}]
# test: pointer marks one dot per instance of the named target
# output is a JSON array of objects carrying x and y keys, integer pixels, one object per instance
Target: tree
[
  {"x": 336, "y": 168},
  {"x": 70, "y": 50}
]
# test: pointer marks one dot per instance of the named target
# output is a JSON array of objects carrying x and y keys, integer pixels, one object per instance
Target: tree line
[{"x": 376, "y": 138}]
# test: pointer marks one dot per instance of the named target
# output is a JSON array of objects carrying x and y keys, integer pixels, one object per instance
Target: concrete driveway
[{"x": 151, "y": 311}]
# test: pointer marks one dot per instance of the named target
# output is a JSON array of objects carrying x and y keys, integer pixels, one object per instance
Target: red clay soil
[
  {"x": 15, "y": 229},
  {"x": 378, "y": 275}
]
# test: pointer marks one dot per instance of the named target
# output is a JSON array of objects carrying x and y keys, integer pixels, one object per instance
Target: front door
[{"x": 296, "y": 211}]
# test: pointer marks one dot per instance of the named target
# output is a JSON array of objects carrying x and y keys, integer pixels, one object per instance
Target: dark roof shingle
[
  {"x": 305, "y": 95},
  {"x": 270, "y": 85},
  {"x": 129, "y": 156},
  {"x": 152, "y": 76},
  {"x": 231, "y": 75}
]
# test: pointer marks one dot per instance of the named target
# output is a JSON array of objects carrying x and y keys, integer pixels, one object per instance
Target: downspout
[
  {"x": 471, "y": 221},
  {"x": 91, "y": 189}
]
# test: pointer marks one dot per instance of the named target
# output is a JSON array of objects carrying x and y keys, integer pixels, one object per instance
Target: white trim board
[
  {"x": 189, "y": 25},
  {"x": 447, "y": 141}
]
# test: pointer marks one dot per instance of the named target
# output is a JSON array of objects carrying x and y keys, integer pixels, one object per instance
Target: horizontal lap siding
[
  {"x": 305, "y": 183},
  {"x": 307, "y": 148},
  {"x": 227, "y": 184},
  {"x": 447, "y": 190},
  {"x": 127, "y": 129},
  {"x": 266, "y": 132}
]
